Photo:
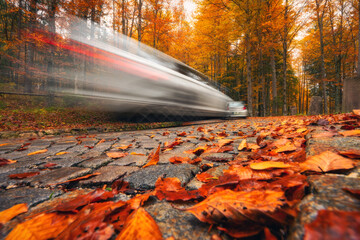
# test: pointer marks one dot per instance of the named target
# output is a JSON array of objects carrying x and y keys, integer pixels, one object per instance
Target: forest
[{"x": 273, "y": 54}]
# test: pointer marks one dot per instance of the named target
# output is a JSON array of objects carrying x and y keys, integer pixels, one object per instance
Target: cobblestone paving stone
[{"x": 85, "y": 154}]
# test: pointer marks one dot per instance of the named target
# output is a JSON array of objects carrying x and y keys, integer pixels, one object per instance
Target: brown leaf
[
  {"x": 288, "y": 147},
  {"x": 327, "y": 161},
  {"x": 12, "y": 212},
  {"x": 43, "y": 226},
  {"x": 23, "y": 175},
  {"x": 268, "y": 165},
  {"x": 351, "y": 153},
  {"x": 239, "y": 208},
  {"x": 4, "y": 161},
  {"x": 154, "y": 159},
  {"x": 140, "y": 225},
  {"x": 38, "y": 152},
  {"x": 334, "y": 225},
  {"x": 116, "y": 155},
  {"x": 49, "y": 165}
]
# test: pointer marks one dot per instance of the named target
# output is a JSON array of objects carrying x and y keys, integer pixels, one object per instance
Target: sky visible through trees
[{"x": 273, "y": 54}]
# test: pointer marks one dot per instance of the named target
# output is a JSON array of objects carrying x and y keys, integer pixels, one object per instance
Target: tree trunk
[
  {"x": 248, "y": 75},
  {"x": 274, "y": 83},
  {"x": 139, "y": 19},
  {"x": 285, "y": 50},
  {"x": 358, "y": 38}
]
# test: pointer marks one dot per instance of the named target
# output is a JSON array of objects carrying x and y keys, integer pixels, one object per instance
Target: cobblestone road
[{"x": 62, "y": 158}]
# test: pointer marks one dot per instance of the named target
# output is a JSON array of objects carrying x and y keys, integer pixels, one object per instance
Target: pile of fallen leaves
[{"x": 255, "y": 196}]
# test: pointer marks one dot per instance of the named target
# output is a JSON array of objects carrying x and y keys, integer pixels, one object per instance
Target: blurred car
[{"x": 237, "y": 109}]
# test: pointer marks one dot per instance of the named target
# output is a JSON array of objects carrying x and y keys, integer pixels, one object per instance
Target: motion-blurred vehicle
[{"x": 237, "y": 109}]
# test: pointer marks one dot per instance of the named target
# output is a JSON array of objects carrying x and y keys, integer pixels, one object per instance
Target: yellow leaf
[
  {"x": 243, "y": 145},
  {"x": 268, "y": 165},
  {"x": 61, "y": 153},
  {"x": 38, "y": 152}
]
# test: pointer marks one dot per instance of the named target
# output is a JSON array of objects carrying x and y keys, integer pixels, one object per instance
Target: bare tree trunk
[
  {"x": 248, "y": 75},
  {"x": 358, "y": 38},
  {"x": 139, "y": 19},
  {"x": 274, "y": 83},
  {"x": 322, "y": 64},
  {"x": 285, "y": 50}
]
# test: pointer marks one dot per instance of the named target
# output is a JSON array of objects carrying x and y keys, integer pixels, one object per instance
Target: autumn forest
[{"x": 273, "y": 54}]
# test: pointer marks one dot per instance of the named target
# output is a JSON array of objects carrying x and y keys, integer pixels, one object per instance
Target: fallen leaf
[
  {"x": 79, "y": 178},
  {"x": 23, "y": 175},
  {"x": 243, "y": 145},
  {"x": 140, "y": 225},
  {"x": 239, "y": 209},
  {"x": 4, "y": 144},
  {"x": 38, "y": 152},
  {"x": 223, "y": 142},
  {"x": 182, "y": 134},
  {"x": 154, "y": 159},
  {"x": 116, "y": 155},
  {"x": 327, "y": 161},
  {"x": 124, "y": 147},
  {"x": 61, "y": 153},
  {"x": 170, "y": 189},
  {"x": 205, "y": 177},
  {"x": 288, "y": 147},
  {"x": 137, "y": 154},
  {"x": 178, "y": 160},
  {"x": 268, "y": 165},
  {"x": 82, "y": 200},
  {"x": 351, "y": 133},
  {"x": 49, "y": 165},
  {"x": 333, "y": 224},
  {"x": 4, "y": 161},
  {"x": 139, "y": 200},
  {"x": 351, "y": 153},
  {"x": 353, "y": 192},
  {"x": 12, "y": 212},
  {"x": 43, "y": 226},
  {"x": 356, "y": 112},
  {"x": 324, "y": 135}
]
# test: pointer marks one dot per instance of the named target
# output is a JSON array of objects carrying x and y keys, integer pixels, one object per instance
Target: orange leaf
[
  {"x": 38, "y": 152},
  {"x": 351, "y": 153},
  {"x": 268, "y": 165},
  {"x": 43, "y": 226},
  {"x": 61, "y": 153},
  {"x": 171, "y": 190},
  {"x": 351, "y": 133},
  {"x": 327, "y": 161},
  {"x": 177, "y": 160},
  {"x": 243, "y": 145},
  {"x": 124, "y": 147},
  {"x": 288, "y": 147},
  {"x": 356, "y": 112},
  {"x": 79, "y": 178},
  {"x": 116, "y": 155},
  {"x": 223, "y": 142},
  {"x": 12, "y": 212},
  {"x": 154, "y": 159},
  {"x": 4, "y": 161},
  {"x": 138, "y": 154},
  {"x": 205, "y": 177},
  {"x": 139, "y": 200},
  {"x": 4, "y": 144},
  {"x": 140, "y": 225}
]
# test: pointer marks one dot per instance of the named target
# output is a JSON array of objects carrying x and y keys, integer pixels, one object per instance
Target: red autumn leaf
[
  {"x": 140, "y": 225},
  {"x": 80, "y": 201},
  {"x": 173, "y": 144},
  {"x": 351, "y": 153},
  {"x": 49, "y": 165},
  {"x": 154, "y": 158},
  {"x": 166, "y": 133},
  {"x": 120, "y": 186},
  {"x": 177, "y": 160},
  {"x": 182, "y": 134},
  {"x": 4, "y": 161},
  {"x": 195, "y": 160},
  {"x": 43, "y": 226},
  {"x": 170, "y": 189},
  {"x": 200, "y": 129},
  {"x": 79, "y": 178},
  {"x": 12, "y": 212},
  {"x": 116, "y": 155},
  {"x": 139, "y": 200},
  {"x": 334, "y": 225},
  {"x": 327, "y": 161},
  {"x": 204, "y": 177},
  {"x": 23, "y": 175},
  {"x": 222, "y": 134},
  {"x": 247, "y": 173},
  {"x": 239, "y": 209}
]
